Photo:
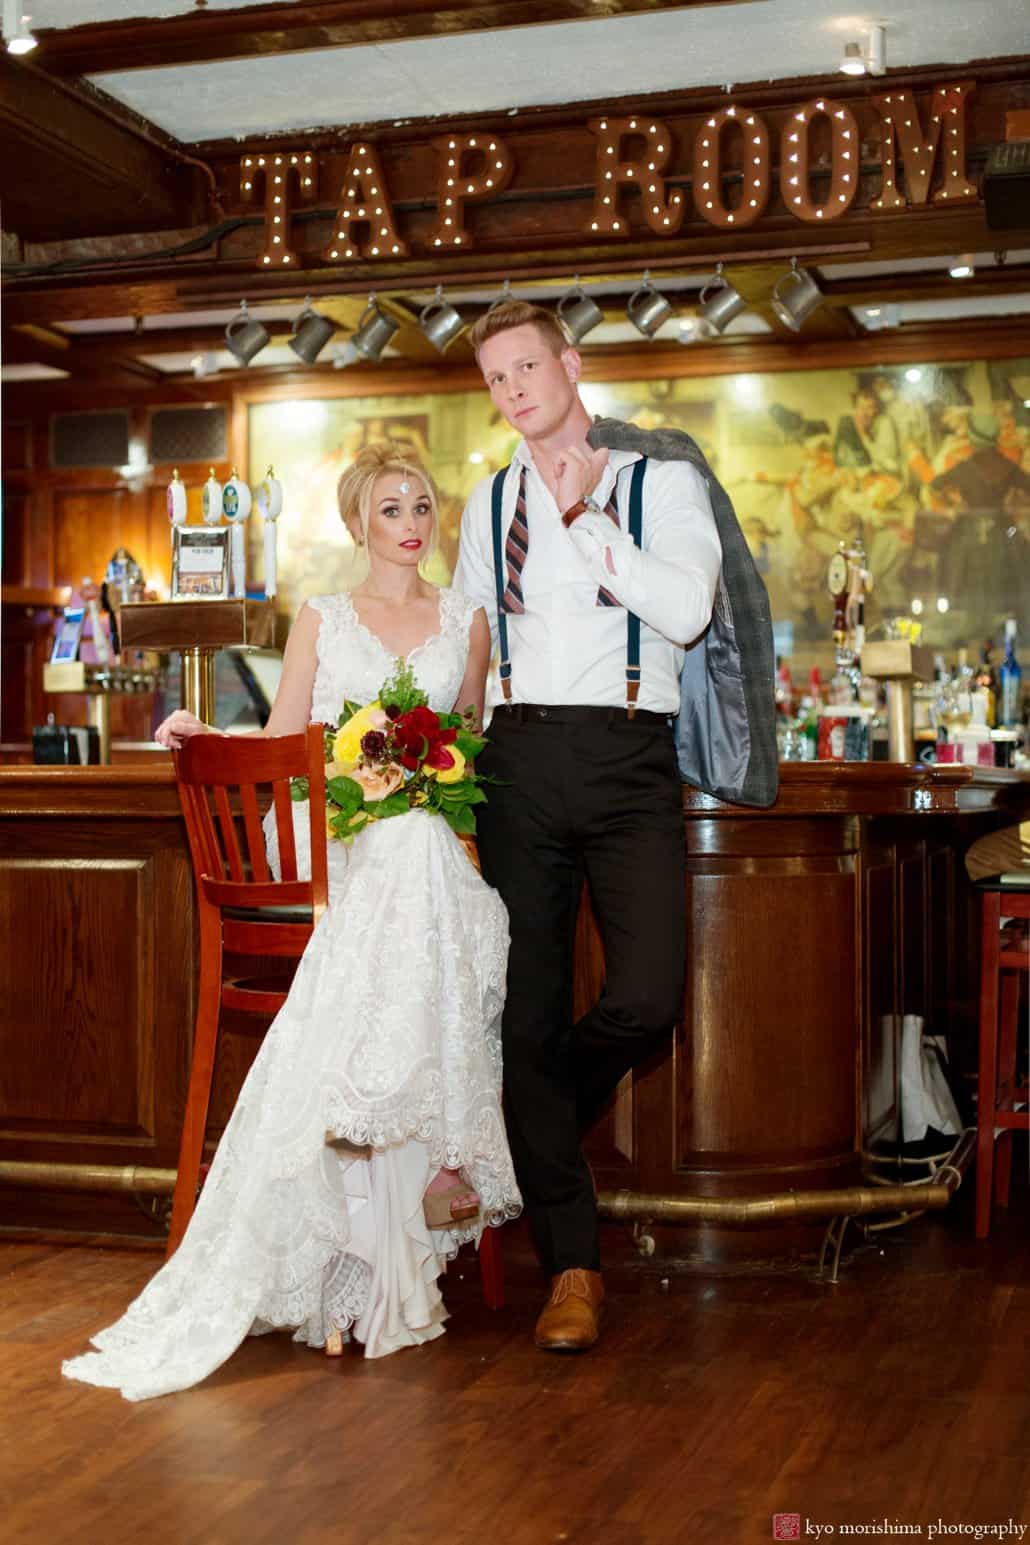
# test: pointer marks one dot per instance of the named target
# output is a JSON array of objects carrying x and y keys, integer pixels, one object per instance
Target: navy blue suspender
[
  {"x": 636, "y": 529},
  {"x": 496, "y": 517}
]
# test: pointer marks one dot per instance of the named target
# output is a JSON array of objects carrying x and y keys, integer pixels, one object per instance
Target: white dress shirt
[{"x": 567, "y": 649}]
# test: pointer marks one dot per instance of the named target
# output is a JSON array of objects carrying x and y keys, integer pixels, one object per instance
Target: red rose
[{"x": 419, "y": 737}]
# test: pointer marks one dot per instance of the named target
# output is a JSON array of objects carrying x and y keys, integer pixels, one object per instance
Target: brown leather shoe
[{"x": 570, "y": 1321}]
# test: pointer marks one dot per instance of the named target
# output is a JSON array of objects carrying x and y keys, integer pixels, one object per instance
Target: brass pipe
[
  {"x": 789, "y": 1206},
  {"x": 198, "y": 683},
  {"x": 59, "y": 1176},
  {"x": 618, "y": 1206},
  {"x": 98, "y": 707},
  {"x": 901, "y": 746}
]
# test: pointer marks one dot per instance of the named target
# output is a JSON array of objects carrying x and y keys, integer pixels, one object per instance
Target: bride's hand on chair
[{"x": 179, "y": 727}]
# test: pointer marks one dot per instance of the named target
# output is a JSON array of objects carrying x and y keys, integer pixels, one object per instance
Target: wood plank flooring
[{"x": 899, "y": 1397}]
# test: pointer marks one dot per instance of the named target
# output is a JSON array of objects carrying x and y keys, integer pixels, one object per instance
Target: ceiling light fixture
[
  {"x": 876, "y": 318},
  {"x": 870, "y": 60},
  {"x": 344, "y": 354},
  {"x": 17, "y": 34},
  {"x": 694, "y": 330},
  {"x": 963, "y": 267}
]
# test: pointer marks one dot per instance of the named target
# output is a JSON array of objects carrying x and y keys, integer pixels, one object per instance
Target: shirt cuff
[{"x": 594, "y": 535}]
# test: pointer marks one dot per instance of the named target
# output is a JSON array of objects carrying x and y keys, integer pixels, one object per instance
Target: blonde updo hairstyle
[{"x": 357, "y": 484}]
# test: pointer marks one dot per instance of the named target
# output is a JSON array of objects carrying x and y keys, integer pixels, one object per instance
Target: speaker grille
[
  {"x": 187, "y": 434},
  {"x": 90, "y": 439}
]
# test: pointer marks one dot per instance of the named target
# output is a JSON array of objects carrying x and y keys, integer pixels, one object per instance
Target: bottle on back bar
[
  {"x": 1011, "y": 678},
  {"x": 986, "y": 686}
]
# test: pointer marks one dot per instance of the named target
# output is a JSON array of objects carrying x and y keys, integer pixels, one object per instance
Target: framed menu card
[{"x": 200, "y": 562}]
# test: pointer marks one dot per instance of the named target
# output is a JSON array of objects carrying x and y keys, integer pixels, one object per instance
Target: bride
[{"x": 367, "y": 1143}]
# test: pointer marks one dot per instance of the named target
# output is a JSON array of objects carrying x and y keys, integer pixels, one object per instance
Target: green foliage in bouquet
[{"x": 396, "y": 754}]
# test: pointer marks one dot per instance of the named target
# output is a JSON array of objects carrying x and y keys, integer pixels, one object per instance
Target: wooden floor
[{"x": 901, "y": 1395}]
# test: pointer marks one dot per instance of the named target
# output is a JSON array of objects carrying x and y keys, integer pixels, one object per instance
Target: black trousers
[{"x": 602, "y": 799}]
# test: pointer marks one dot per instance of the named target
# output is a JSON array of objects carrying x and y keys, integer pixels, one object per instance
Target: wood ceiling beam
[
  {"x": 201, "y": 36},
  {"x": 62, "y": 150},
  {"x": 38, "y": 347},
  {"x": 878, "y": 289}
]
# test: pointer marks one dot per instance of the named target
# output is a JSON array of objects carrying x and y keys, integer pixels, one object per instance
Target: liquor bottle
[
  {"x": 1011, "y": 680},
  {"x": 784, "y": 693},
  {"x": 811, "y": 705},
  {"x": 964, "y": 687},
  {"x": 986, "y": 685}
]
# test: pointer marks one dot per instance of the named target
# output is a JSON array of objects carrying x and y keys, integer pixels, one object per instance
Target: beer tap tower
[{"x": 198, "y": 626}]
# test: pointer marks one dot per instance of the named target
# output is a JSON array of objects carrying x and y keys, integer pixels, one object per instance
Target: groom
[{"x": 565, "y": 551}]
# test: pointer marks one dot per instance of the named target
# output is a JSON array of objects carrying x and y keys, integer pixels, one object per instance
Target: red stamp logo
[{"x": 786, "y": 1526}]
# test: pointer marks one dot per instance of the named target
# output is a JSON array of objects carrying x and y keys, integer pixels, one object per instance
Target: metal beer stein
[
  {"x": 439, "y": 321},
  {"x": 647, "y": 309},
  {"x": 578, "y": 312}
]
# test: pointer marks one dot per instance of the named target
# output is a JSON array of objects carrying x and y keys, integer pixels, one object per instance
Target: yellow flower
[
  {"x": 454, "y": 773},
  {"x": 347, "y": 744}
]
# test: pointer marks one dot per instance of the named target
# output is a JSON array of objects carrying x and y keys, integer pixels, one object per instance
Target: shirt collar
[{"x": 523, "y": 457}]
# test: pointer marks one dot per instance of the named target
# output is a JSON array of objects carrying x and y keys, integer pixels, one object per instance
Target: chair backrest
[{"x": 219, "y": 777}]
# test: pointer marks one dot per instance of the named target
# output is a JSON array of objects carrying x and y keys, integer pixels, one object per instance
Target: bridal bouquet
[{"x": 396, "y": 755}]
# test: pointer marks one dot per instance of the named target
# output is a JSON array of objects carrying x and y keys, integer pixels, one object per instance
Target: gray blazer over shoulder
[{"x": 726, "y": 727}]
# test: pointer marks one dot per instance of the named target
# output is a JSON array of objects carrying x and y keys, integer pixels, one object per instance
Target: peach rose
[{"x": 378, "y": 782}]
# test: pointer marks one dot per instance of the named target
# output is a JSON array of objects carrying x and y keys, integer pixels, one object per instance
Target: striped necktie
[{"x": 517, "y": 548}]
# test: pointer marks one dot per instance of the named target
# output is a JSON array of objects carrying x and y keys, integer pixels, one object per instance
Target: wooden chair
[
  {"x": 244, "y": 912},
  {"x": 239, "y": 904},
  {"x": 1003, "y": 962}
]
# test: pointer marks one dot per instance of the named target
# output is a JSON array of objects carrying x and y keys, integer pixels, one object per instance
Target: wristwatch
[{"x": 580, "y": 507}]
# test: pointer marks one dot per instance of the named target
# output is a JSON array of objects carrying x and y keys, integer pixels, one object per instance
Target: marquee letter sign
[
  {"x": 456, "y": 185},
  {"x": 729, "y": 164},
  {"x": 663, "y": 215},
  {"x": 279, "y": 172},
  {"x": 919, "y": 148},
  {"x": 794, "y": 158},
  {"x": 364, "y": 201},
  {"x": 756, "y": 170}
]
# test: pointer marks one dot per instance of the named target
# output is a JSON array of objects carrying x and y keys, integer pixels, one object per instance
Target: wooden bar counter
[{"x": 813, "y": 927}]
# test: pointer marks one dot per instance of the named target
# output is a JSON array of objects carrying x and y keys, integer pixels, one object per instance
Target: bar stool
[{"x": 1003, "y": 964}]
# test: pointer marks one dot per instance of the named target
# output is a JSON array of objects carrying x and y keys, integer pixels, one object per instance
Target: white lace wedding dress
[{"x": 390, "y": 1034}]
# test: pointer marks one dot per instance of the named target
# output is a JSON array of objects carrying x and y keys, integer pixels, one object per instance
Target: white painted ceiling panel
[{"x": 758, "y": 40}]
